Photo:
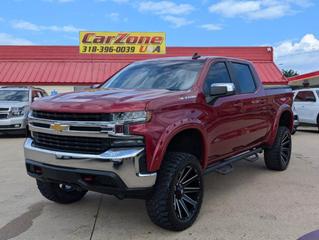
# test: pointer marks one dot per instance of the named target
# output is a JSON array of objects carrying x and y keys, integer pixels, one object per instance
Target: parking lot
[{"x": 249, "y": 203}]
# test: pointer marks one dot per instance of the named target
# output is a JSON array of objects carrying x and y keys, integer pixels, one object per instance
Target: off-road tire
[
  {"x": 169, "y": 192},
  {"x": 277, "y": 157},
  {"x": 54, "y": 192}
]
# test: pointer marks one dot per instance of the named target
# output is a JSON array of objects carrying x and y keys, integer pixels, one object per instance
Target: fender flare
[
  {"x": 273, "y": 133},
  {"x": 170, "y": 132}
]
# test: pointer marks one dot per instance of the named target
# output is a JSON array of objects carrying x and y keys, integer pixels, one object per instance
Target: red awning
[{"x": 63, "y": 65}]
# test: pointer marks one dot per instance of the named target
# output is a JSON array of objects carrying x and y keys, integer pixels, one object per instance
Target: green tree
[{"x": 289, "y": 73}]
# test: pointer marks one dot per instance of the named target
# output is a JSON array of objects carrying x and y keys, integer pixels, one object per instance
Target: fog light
[{"x": 17, "y": 125}]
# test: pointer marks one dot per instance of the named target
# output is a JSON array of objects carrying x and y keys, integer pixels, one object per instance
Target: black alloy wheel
[{"x": 187, "y": 193}]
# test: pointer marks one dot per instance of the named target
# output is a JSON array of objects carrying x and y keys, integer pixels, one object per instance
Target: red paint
[
  {"x": 304, "y": 76},
  {"x": 64, "y": 65},
  {"x": 231, "y": 125}
]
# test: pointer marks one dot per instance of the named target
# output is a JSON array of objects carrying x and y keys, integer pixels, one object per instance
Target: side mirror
[
  {"x": 222, "y": 89},
  {"x": 35, "y": 99}
]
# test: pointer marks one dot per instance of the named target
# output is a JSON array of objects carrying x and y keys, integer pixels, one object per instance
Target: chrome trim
[
  {"x": 71, "y": 123},
  {"x": 115, "y": 155},
  {"x": 102, "y": 134},
  {"x": 124, "y": 162}
]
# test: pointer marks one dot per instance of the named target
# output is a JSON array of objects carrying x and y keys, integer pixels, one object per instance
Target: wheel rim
[
  {"x": 187, "y": 191},
  {"x": 285, "y": 148}
]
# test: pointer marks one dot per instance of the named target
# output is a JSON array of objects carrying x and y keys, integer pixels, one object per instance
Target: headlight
[
  {"x": 132, "y": 117},
  {"x": 18, "y": 111}
]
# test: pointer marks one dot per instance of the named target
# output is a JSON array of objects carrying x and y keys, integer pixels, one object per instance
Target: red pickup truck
[{"x": 154, "y": 129}]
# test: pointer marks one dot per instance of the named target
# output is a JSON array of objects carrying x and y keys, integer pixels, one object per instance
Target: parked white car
[
  {"x": 306, "y": 105},
  {"x": 14, "y": 107}
]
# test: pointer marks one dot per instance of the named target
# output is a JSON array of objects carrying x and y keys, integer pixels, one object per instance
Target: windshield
[
  {"x": 14, "y": 95},
  {"x": 171, "y": 75}
]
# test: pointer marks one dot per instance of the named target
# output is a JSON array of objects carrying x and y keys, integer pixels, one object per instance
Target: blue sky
[{"x": 291, "y": 26}]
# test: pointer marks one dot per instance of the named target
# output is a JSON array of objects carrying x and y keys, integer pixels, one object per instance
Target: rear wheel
[
  {"x": 177, "y": 197},
  {"x": 277, "y": 157},
  {"x": 60, "y": 193}
]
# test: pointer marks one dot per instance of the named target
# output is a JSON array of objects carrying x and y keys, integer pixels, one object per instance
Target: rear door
[{"x": 256, "y": 118}]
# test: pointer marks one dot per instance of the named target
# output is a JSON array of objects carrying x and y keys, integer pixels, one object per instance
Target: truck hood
[{"x": 101, "y": 100}]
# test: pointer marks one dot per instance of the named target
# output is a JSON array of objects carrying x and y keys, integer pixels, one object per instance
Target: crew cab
[
  {"x": 14, "y": 107},
  {"x": 154, "y": 129},
  {"x": 306, "y": 105}
]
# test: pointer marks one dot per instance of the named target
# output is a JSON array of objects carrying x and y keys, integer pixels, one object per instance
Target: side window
[
  {"x": 305, "y": 96},
  {"x": 217, "y": 73},
  {"x": 244, "y": 77}
]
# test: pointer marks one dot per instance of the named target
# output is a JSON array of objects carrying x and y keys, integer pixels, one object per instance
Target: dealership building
[
  {"x": 305, "y": 80},
  {"x": 63, "y": 68}
]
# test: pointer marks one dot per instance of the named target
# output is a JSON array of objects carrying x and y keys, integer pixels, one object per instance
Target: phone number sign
[{"x": 122, "y": 43}]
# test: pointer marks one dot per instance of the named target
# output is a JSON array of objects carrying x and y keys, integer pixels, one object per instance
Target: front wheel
[
  {"x": 60, "y": 193},
  {"x": 277, "y": 157},
  {"x": 178, "y": 193}
]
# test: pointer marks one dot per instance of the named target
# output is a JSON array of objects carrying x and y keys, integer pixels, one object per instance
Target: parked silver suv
[{"x": 14, "y": 107}]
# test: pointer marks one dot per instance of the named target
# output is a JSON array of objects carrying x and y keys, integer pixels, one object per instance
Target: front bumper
[
  {"x": 122, "y": 164},
  {"x": 18, "y": 123}
]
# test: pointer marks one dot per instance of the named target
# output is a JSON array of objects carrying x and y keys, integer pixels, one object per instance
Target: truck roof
[{"x": 192, "y": 59}]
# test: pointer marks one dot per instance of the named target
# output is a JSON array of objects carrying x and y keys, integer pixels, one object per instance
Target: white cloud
[
  {"x": 120, "y": 1},
  {"x": 7, "y": 39},
  {"x": 116, "y": 17},
  {"x": 116, "y": 1},
  {"x": 177, "y": 22},
  {"x": 165, "y": 8},
  {"x": 211, "y": 27},
  {"x": 24, "y": 25},
  {"x": 258, "y": 9},
  {"x": 302, "y": 55},
  {"x": 59, "y": 1},
  {"x": 308, "y": 43}
]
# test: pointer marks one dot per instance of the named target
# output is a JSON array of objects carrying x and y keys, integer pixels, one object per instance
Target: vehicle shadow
[
  {"x": 308, "y": 130},
  {"x": 12, "y": 135},
  {"x": 133, "y": 215}
]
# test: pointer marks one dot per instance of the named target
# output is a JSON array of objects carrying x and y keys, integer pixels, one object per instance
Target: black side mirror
[{"x": 222, "y": 89}]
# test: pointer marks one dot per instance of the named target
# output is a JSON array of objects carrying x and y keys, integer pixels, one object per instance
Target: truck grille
[
  {"x": 4, "y": 109},
  {"x": 96, "y": 117},
  {"x": 3, "y": 116},
  {"x": 71, "y": 144}
]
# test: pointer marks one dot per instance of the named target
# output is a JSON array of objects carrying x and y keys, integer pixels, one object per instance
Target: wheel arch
[
  {"x": 284, "y": 117},
  {"x": 188, "y": 138}
]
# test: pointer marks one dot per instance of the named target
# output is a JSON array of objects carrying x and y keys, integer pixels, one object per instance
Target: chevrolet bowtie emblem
[{"x": 58, "y": 127}]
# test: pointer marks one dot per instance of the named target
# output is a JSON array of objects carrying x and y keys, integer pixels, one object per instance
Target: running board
[{"x": 225, "y": 166}]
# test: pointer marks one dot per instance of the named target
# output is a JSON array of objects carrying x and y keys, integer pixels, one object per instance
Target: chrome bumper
[
  {"x": 122, "y": 161},
  {"x": 9, "y": 123}
]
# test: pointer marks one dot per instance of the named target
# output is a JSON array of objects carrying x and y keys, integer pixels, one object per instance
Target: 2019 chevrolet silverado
[
  {"x": 154, "y": 129},
  {"x": 14, "y": 107}
]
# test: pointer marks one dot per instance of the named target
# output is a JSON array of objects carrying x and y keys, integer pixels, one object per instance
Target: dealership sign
[{"x": 122, "y": 43}]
